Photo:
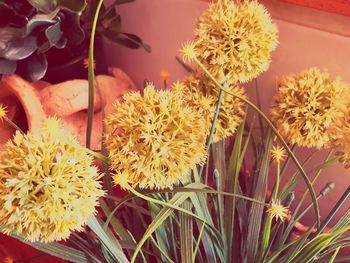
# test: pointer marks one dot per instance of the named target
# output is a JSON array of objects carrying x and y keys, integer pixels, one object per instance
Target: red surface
[
  {"x": 10, "y": 247},
  {"x": 335, "y": 6}
]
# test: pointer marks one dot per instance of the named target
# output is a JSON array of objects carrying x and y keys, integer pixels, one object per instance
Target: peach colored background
[{"x": 165, "y": 24}]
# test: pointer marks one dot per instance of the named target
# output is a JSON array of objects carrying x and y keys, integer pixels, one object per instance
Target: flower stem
[
  {"x": 275, "y": 131},
  {"x": 213, "y": 127},
  {"x": 268, "y": 223},
  {"x": 92, "y": 77},
  {"x": 14, "y": 125}
]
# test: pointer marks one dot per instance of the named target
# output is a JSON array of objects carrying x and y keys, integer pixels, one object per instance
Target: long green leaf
[
  {"x": 107, "y": 239},
  {"x": 186, "y": 234},
  {"x": 256, "y": 210},
  {"x": 178, "y": 199},
  {"x": 316, "y": 245},
  {"x": 231, "y": 185}
]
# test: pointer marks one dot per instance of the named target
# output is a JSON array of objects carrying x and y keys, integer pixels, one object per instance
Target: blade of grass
[
  {"x": 107, "y": 239},
  {"x": 178, "y": 199},
  {"x": 186, "y": 234},
  {"x": 316, "y": 245},
  {"x": 92, "y": 77},
  {"x": 256, "y": 210},
  {"x": 198, "y": 242},
  {"x": 231, "y": 186},
  {"x": 332, "y": 260}
]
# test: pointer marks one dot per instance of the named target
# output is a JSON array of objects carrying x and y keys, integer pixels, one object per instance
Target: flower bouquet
[{"x": 205, "y": 172}]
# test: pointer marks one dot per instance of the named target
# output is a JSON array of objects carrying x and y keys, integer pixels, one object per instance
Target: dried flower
[
  {"x": 199, "y": 92},
  {"x": 235, "y": 40},
  {"x": 278, "y": 211},
  {"x": 278, "y": 153},
  {"x": 164, "y": 75},
  {"x": 3, "y": 111},
  {"x": 154, "y": 139},
  {"x": 306, "y": 106},
  {"x": 48, "y": 184}
]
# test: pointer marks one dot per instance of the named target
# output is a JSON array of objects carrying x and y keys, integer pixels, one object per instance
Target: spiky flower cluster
[
  {"x": 154, "y": 139},
  {"x": 306, "y": 106},
  {"x": 48, "y": 184},
  {"x": 201, "y": 94},
  {"x": 235, "y": 40}
]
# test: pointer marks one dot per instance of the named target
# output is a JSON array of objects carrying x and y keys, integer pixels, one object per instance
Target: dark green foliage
[{"x": 36, "y": 34}]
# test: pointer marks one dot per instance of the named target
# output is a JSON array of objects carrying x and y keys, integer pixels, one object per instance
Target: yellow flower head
[
  {"x": 3, "y": 111},
  {"x": 48, "y": 184},
  {"x": 188, "y": 51},
  {"x": 278, "y": 211},
  {"x": 200, "y": 93},
  {"x": 306, "y": 106},
  {"x": 154, "y": 139},
  {"x": 278, "y": 153},
  {"x": 164, "y": 75},
  {"x": 235, "y": 40}
]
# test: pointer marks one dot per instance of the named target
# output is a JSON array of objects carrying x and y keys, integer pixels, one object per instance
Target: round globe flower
[
  {"x": 306, "y": 107},
  {"x": 48, "y": 184},
  {"x": 341, "y": 130},
  {"x": 235, "y": 40},
  {"x": 201, "y": 94},
  {"x": 154, "y": 139}
]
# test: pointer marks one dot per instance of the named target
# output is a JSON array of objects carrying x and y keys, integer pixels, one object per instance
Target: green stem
[
  {"x": 92, "y": 77},
  {"x": 213, "y": 127},
  {"x": 278, "y": 179},
  {"x": 198, "y": 242},
  {"x": 334, "y": 255},
  {"x": 273, "y": 128},
  {"x": 268, "y": 223}
]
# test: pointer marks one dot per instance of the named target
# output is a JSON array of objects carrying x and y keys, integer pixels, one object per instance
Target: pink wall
[{"x": 165, "y": 24}]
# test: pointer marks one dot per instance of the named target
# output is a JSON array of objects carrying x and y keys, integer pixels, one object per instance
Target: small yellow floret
[
  {"x": 164, "y": 75},
  {"x": 188, "y": 51},
  {"x": 278, "y": 211},
  {"x": 3, "y": 111},
  {"x": 278, "y": 153}
]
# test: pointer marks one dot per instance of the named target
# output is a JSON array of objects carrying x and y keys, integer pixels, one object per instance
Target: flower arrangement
[{"x": 179, "y": 153}]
